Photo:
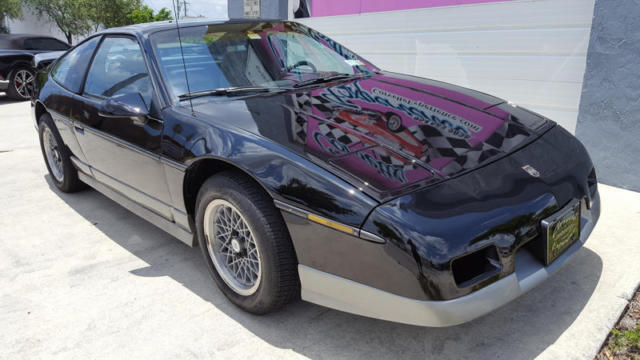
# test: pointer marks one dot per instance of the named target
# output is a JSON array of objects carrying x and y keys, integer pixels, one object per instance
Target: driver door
[{"x": 123, "y": 152}]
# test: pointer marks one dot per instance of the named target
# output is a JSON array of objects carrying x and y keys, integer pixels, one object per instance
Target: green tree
[
  {"x": 9, "y": 9},
  {"x": 113, "y": 13},
  {"x": 145, "y": 14},
  {"x": 73, "y": 17}
]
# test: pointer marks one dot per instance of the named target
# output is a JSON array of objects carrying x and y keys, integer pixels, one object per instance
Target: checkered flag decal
[
  {"x": 305, "y": 103},
  {"x": 334, "y": 132},
  {"x": 301, "y": 102},
  {"x": 394, "y": 160},
  {"x": 465, "y": 156}
]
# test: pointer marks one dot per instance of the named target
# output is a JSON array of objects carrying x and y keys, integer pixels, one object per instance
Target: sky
[{"x": 195, "y": 8}]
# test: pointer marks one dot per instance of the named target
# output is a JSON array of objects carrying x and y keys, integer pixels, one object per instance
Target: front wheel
[{"x": 245, "y": 243}]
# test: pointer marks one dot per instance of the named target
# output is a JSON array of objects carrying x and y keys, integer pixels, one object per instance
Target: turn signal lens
[{"x": 331, "y": 224}]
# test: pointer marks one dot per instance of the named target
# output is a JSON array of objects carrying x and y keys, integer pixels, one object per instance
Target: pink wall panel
[
  {"x": 345, "y": 7},
  {"x": 334, "y": 7}
]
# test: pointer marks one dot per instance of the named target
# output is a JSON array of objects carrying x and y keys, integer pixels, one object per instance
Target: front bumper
[
  {"x": 346, "y": 295},
  {"x": 4, "y": 85}
]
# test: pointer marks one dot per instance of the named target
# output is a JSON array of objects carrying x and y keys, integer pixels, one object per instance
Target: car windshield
[{"x": 240, "y": 55}]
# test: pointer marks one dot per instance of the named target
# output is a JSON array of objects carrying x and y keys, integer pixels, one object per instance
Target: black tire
[
  {"x": 13, "y": 91},
  {"x": 69, "y": 182},
  {"x": 394, "y": 122},
  {"x": 278, "y": 283}
]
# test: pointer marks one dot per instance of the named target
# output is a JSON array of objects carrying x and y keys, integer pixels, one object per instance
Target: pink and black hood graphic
[{"x": 393, "y": 131}]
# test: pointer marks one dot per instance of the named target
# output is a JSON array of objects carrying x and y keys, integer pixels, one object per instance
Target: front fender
[{"x": 287, "y": 176}]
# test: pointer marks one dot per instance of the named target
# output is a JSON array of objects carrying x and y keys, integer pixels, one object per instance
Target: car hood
[{"x": 386, "y": 133}]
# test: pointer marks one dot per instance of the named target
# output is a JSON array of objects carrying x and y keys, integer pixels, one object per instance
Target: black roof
[
  {"x": 12, "y": 37},
  {"x": 16, "y": 41}
]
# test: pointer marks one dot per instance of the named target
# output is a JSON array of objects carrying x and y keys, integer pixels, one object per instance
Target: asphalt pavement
[{"x": 83, "y": 278}]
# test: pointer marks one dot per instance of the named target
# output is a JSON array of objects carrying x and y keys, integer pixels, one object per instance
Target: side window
[
  {"x": 119, "y": 68},
  {"x": 70, "y": 69}
]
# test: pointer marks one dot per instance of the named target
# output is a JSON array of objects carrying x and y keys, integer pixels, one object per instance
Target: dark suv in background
[{"x": 16, "y": 55}]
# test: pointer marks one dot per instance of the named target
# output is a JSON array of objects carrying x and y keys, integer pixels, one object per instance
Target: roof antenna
[{"x": 186, "y": 77}]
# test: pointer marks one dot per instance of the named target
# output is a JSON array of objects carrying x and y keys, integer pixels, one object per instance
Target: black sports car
[
  {"x": 251, "y": 140},
  {"x": 16, "y": 61}
]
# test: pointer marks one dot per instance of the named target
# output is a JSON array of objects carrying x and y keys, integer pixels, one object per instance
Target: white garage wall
[{"x": 530, "y": 52}]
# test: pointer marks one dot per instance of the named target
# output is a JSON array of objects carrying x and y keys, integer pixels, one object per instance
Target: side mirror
[{"x": 126, "y": 106}]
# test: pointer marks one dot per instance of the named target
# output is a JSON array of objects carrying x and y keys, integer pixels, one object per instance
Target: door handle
[{"x": 79, "y": 129}]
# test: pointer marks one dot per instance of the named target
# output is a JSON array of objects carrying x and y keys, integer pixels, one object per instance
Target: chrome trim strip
[
  {"x": 364, "y": 235},
  {"x": 157, "y": 220},
  {"x": 291, "y": 209}
]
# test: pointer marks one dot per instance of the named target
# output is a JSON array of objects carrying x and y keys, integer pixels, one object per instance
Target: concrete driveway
[{"x": 83, "y": 278}]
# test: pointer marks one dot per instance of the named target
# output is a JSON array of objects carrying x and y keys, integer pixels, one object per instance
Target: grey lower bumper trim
[
  {"x": 343, "y": 294},
  {"x": 4, "y": 85}
]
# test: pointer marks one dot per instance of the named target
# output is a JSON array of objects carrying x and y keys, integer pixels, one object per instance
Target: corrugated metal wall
[{"x": 531, "y": 52}]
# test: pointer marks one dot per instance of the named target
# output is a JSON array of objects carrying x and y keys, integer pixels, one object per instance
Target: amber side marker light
[{"x": 331, "y": 224}]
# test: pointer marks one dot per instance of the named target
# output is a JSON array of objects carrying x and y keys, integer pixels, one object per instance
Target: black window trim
[
  {"x": 87, "y": 69},
  {"x": 155, "y": 93},
  {"x": 89, "y": 65}
]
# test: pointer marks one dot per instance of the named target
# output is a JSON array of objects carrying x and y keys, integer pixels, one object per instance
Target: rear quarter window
[{"x": 69, "y": 70}]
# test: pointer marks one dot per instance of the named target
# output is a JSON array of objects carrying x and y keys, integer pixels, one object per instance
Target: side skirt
[{"x": 157, "y": 220}]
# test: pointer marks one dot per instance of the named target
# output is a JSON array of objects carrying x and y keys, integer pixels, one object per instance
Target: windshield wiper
[
  {"x": 325, "y": 79},
  {"x": 236, "y": 90}
]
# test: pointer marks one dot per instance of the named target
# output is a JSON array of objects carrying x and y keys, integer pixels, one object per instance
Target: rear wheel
[
  {"x": 57, "y": 158},
  {"x": 245, "y": 243},
  {"x": 21, "y": 84}
]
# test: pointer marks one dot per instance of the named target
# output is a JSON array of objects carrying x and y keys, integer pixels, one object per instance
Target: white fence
[{"x": 530, "y": 52}]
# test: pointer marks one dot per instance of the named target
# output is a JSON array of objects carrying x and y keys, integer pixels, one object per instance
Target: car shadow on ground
[
  {"x": 4, "y": 99},
  {"x": 520, "y": 330}
]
